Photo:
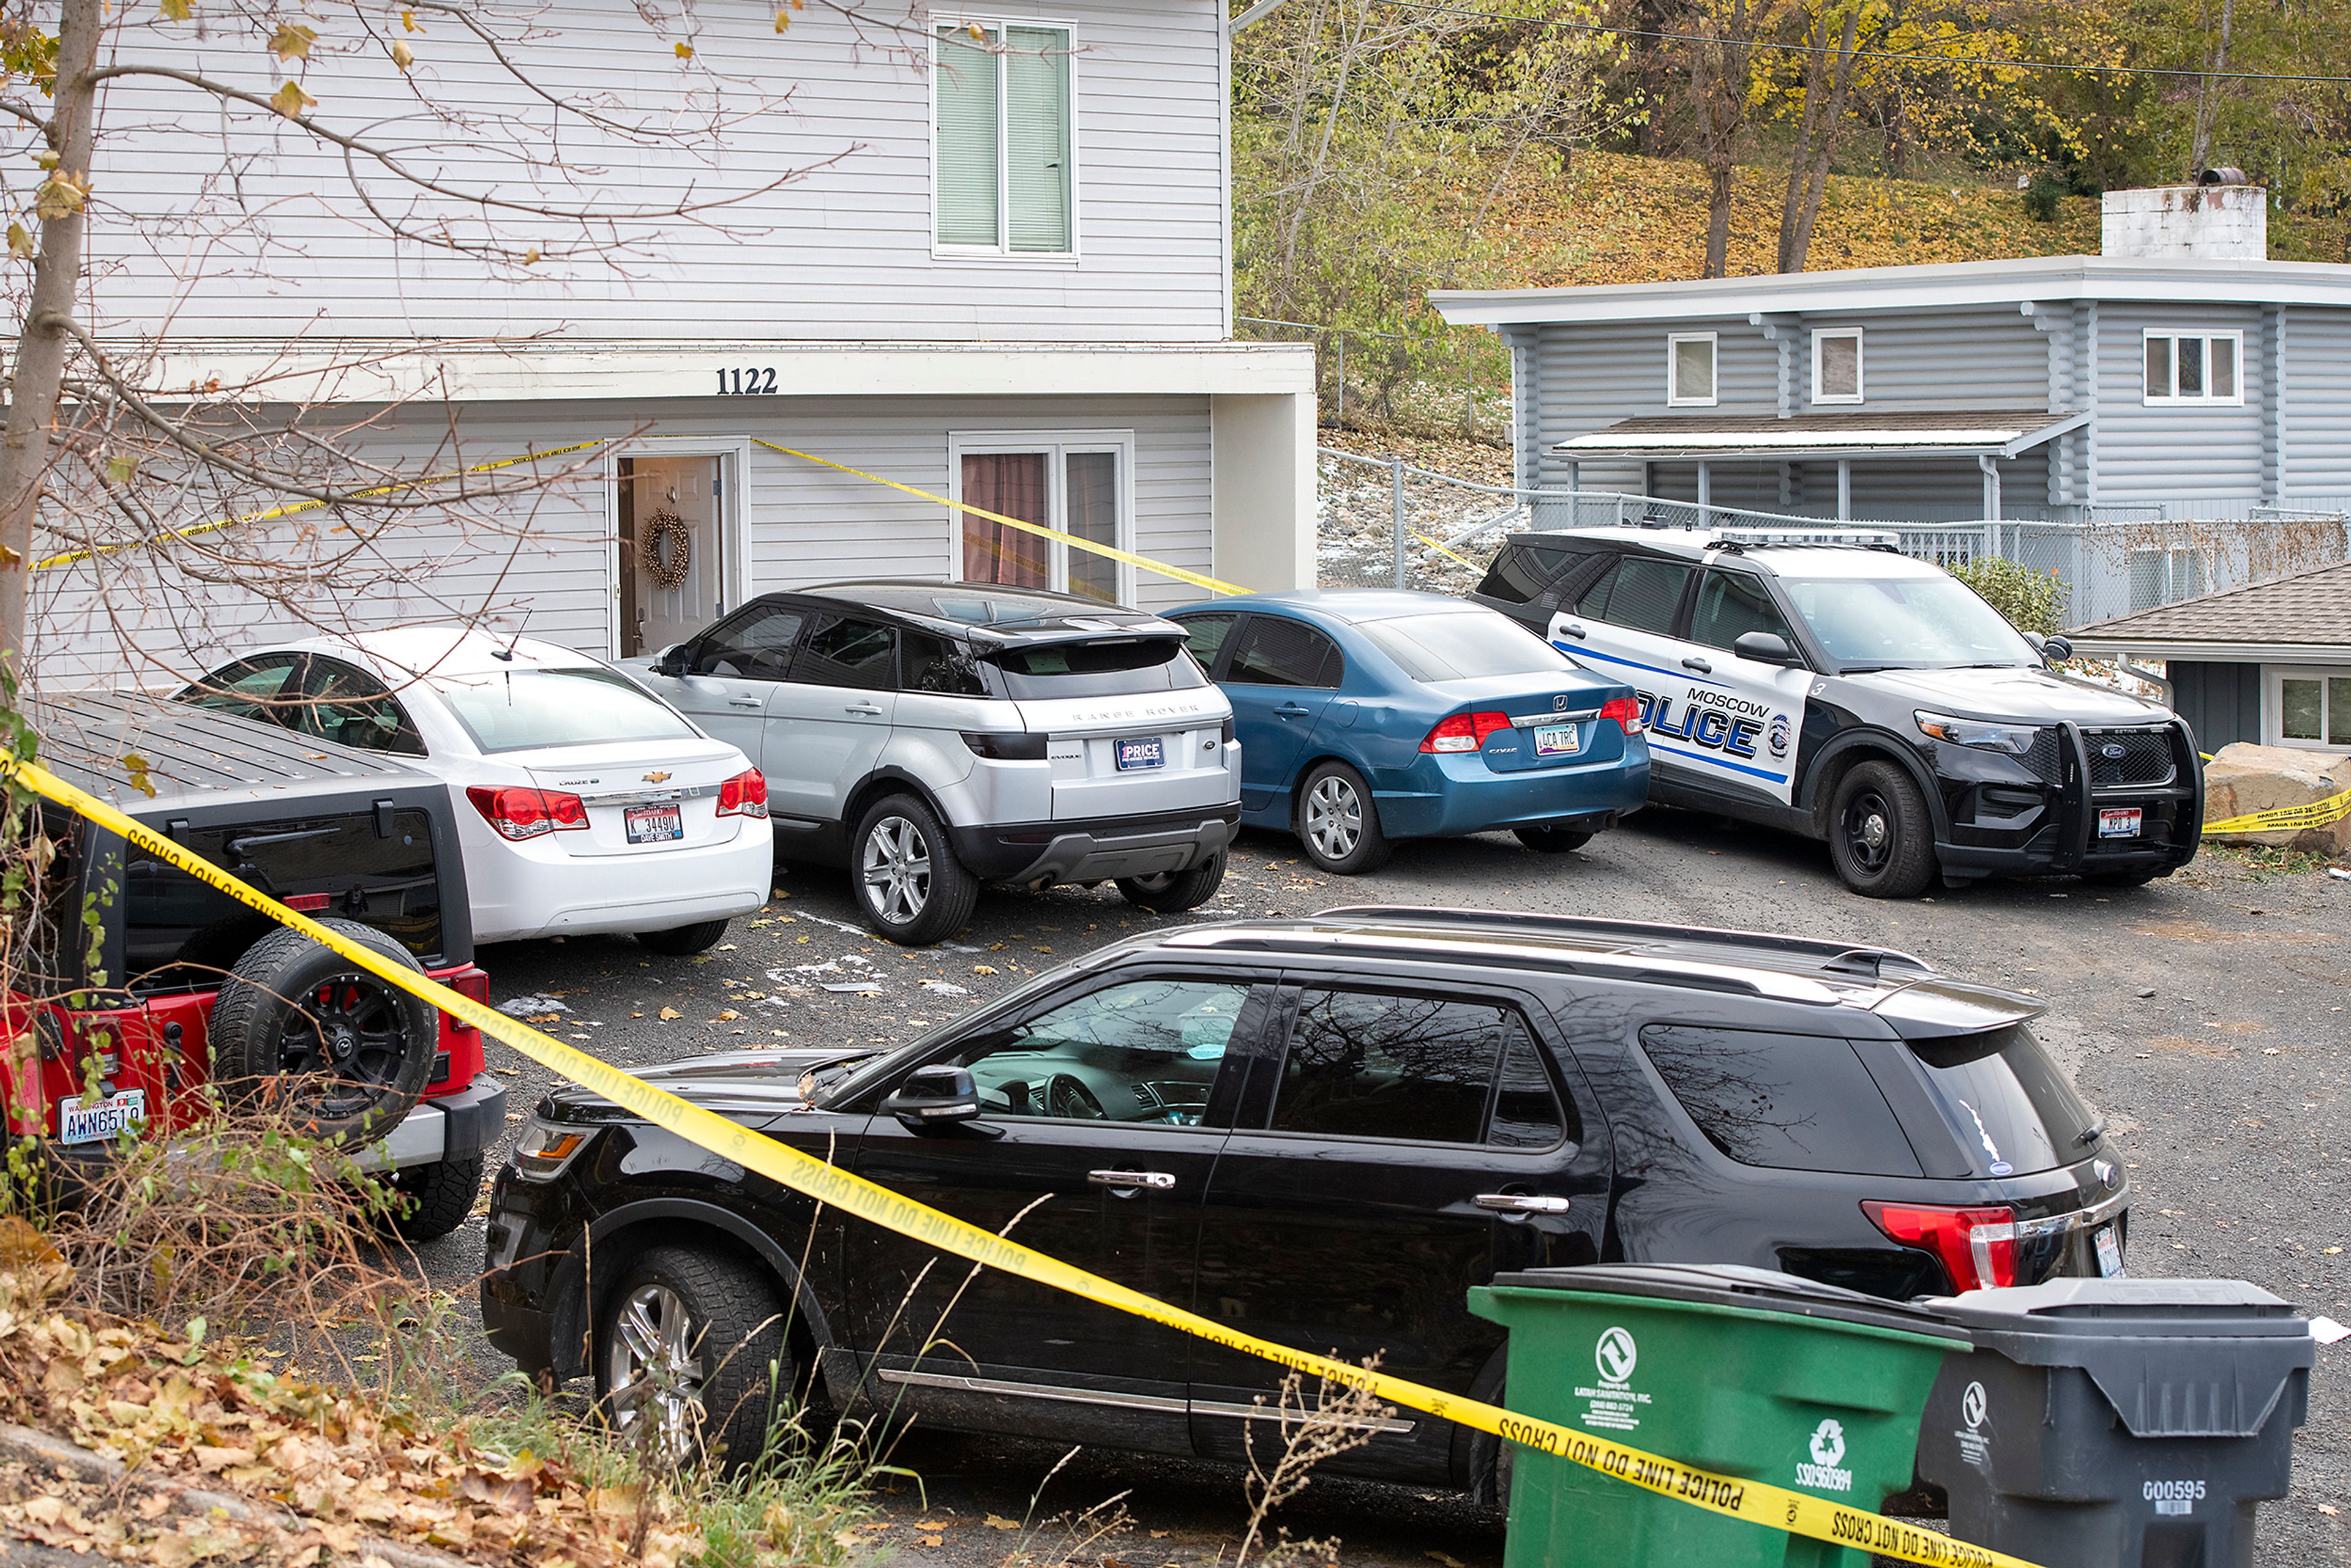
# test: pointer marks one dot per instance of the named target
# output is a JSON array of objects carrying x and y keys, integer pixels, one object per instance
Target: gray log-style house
[{"x": 2180, "y": 374}]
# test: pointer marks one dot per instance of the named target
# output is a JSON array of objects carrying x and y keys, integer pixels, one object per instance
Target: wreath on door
[{"x": 666, "y": 549}]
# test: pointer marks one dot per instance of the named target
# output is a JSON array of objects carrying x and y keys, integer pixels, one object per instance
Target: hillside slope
[{"x": 1612, "y": 218}]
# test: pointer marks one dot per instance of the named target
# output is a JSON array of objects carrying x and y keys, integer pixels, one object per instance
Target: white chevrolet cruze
[{"x": 585, "y": 802}]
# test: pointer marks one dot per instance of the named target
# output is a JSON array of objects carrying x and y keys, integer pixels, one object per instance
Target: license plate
[
  {"x": 655, "y": 824},
  {"x": 80, "y": 1124},
  {"x": 1151, "y": 753},
  {"x": 2119, "y": 821},
  {"x": 1557, "y": 740},
  {"x": 2109, "y": 1249}
]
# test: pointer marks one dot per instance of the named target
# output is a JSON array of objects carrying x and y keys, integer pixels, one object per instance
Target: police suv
[{"x": 1821, "y": 683}]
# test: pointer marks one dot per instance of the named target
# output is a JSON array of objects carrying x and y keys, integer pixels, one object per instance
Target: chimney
[{"x": 2221, "y": 218}]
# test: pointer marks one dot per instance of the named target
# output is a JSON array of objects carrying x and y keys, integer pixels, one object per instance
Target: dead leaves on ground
[{"x": 324, "y": 1471}]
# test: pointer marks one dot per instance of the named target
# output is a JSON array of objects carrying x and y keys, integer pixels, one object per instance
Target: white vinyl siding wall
[
  {"x": 845, "y": 250},
  {"x": 806, "y": 524}
]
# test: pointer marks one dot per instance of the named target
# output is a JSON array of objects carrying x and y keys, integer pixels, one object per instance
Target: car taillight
[
  {"x": 474, "y": 986},
  {"x": 1465, "y": 731},
  {"x": 1625, "y": 711},
  {"x": 1976, "y": 1245},
  {"x": 745, "y": 795},
  {"x": 519, "y": 813}
]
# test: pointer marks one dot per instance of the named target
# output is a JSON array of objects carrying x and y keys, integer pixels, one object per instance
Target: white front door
[{"x": 670, "y": 567}]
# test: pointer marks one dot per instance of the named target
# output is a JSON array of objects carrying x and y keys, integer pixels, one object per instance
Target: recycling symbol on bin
[
  {"x": 1971, "y": 1407},
  {"x": 1828, "y": 1443},
  {"x": 1616, "y": 1354}
]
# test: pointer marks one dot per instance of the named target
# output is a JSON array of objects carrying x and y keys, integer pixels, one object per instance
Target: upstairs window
[
  {"x": 1689, "y": 370},
  {"x": 1003, "y": 167},
  {"x": 1836, "y": 366},
  {"x": 2194, "y": 367}
]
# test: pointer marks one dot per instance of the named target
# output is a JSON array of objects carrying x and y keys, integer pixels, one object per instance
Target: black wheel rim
[
  {"x": 343, "y": 1044},
  {"x": 1869, "y": 831}
]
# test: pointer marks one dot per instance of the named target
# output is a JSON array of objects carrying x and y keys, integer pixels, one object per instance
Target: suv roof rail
[{"x": 1836, "y": 957}]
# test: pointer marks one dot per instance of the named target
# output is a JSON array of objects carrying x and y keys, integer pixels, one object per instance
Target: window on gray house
[
  {"x": 1836, "y": 366},
  {"x": 1004, "y": 163},
  {"x": 2193, "y": 368},
  {"x": 1689, "y": 370}
]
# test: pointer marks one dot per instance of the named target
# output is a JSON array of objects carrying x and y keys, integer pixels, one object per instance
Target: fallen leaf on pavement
[
  {"x": 668, "y": 1014},
  {"x": 997, "y": 1521}
]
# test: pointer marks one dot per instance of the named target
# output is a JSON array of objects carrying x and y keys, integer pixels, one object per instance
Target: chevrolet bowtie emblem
[{"x": 656, "y": 778}]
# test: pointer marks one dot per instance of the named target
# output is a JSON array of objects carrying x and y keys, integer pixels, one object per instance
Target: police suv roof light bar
[{"x": 1870, "y": 538}]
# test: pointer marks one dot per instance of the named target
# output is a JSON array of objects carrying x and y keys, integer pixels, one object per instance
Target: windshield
[
  {"x": 1116, "y": 667},
  {"x": 2007, "y": 1103},
  {"x": 514, "y": 710},
  {"x": 1460, "y": 647},
  {"x": 1905, "y": 623}
]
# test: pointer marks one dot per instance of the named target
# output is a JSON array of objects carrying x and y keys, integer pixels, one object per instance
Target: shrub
[
  {"x": 2032, "y": 600},
  {"x": 2042, "y": 196}
]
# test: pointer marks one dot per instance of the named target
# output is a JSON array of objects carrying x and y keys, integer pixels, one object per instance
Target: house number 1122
[{"x": 742, "y": 383}]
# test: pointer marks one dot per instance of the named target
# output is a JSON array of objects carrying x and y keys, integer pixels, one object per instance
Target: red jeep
[{"x": 142, "y": 985}]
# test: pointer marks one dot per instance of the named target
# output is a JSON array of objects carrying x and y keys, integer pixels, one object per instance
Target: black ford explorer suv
[
  {"x": 1822, "y": 683},
  {"x": 1321, "y": 1131}
]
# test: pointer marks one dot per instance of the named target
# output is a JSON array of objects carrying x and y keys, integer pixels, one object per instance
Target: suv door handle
[
  {"x": 1157, "y": 1181},
  {"x": 746, "y": 702},
  {"x": 1293, "y": 710},
  {"x": 1575, "y": 629},
  {"x": 864, "y": 710},
  {"x": 1701, "y": 665},
  {"x": 1521, "y": 1203}
]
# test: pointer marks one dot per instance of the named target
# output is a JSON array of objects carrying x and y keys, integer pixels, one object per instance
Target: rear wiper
[{"x": 2093, "y": 1133}]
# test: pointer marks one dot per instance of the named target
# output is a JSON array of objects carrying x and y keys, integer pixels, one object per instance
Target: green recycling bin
[{"x": 1739, "y": 1370}]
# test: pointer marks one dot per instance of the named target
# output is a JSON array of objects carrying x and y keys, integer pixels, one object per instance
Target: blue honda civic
[{"x": 1370, "y": 716}]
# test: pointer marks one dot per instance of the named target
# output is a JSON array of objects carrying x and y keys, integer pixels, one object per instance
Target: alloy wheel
[
  {"x": 343, "y": 1044},
  {"x": 650, "y": 1370},
  {"x": 1334, "y": 817},
  {"x": 897, "y": 870},
  {"x": 1868, "y": 828}
]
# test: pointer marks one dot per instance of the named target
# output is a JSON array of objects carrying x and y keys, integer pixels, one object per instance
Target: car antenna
[{"x": 506, "y": 655}]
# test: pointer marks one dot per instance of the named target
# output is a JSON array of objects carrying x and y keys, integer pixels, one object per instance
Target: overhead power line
[{"x": 1910, "y": 56}]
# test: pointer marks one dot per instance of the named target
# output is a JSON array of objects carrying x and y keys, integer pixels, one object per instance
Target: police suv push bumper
[{"x": 2087, "y": 799}]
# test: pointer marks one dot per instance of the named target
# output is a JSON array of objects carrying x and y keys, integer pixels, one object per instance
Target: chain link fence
[{"x": 1384, "y": 523}]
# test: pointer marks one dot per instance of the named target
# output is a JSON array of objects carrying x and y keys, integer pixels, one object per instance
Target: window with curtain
[
  {"x": 1070, "y": 489},
  {"x": 1005, "y": 154}
]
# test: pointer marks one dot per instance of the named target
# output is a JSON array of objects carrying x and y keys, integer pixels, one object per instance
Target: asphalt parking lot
[{"x": 2205, "y": 1014}]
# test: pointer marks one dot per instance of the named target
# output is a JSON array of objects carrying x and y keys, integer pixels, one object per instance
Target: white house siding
[
  {"x": 843, "y": 252},
  {"x": 548, "y": 572},
  {"x": 2175, "y": 455}
]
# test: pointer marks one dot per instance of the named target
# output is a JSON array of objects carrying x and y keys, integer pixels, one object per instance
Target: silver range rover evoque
[{"x": 936, "y": 736}]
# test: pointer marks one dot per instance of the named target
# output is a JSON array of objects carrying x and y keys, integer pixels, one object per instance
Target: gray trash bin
[{"x": 2117, "y": 1423}]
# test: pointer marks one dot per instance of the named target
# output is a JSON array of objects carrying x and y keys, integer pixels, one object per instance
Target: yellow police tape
[
  {"x": 1759, "y": 1502},
  {"x": 297, "y": 507},
  {"x": 1042, "y": 532},
  {"x": 2285, "y": 818}
]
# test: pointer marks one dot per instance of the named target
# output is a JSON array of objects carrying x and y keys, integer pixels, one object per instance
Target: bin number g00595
[{"x": 745, "y": 380}]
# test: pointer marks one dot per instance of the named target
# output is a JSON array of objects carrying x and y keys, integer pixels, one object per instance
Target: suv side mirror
[
  {"x": 1764, "y": 648},
  {"x": 2056, "y": 650},
  {"x": 933, "y": 1096},
  {"x": 673, "y": 660}
]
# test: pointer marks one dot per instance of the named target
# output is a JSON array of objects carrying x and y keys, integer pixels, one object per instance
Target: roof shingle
[{"x": 2311, "y": 608}]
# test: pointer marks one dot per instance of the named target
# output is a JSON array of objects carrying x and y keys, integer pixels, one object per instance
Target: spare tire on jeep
[{"x": 302, "y": 1029}]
